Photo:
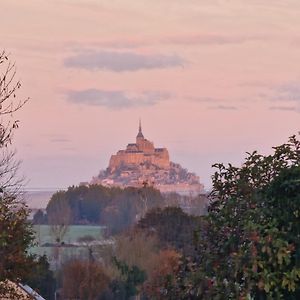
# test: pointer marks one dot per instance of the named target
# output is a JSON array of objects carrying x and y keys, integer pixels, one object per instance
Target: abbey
[
  {"x": 139, "y": 153},
  {"x": 141, "y": 163}
]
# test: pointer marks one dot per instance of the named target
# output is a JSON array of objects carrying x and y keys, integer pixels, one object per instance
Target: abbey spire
[{"x": 140, "y": 134}]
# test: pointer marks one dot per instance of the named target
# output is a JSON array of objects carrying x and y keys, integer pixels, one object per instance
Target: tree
[
  {"x": 130, "y": 260},
  {"x": 88, "y": 241},
  {"x": 83, "y": 280},
  {"x": 41, "y": 278},
  {"x": 137, "y": 248},
  {"x": 249, "y": 246},
  {"x": 39, "y": 218},
  {"x": 59, "y": 216},
  {"x": 8, "y": 103},
  {"x": 164, "y": 272},
  {"x": 132, "y": 277},
  {"x": 195, "y": 205},
  {"x": 15, "y": 232},
  {"x": 59, "y": 219},
  {"x": 173, "y": 227},
  {"x": 15, "y": 238}
]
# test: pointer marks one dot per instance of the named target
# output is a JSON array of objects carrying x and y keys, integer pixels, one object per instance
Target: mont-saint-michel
[{"x": 142, "y": 164}]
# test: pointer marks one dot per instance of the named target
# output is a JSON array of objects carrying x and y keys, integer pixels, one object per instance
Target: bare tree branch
[{"x": 9, "y": 86}]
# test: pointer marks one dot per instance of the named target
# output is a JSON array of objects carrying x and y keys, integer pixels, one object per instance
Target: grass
[{"x": 43, "y": 236}]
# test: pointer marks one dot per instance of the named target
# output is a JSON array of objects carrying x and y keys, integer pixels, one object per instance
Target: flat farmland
[{"x": 43, "y": 233}]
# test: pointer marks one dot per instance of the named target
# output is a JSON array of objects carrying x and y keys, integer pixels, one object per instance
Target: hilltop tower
[
  {"x": 140, "y": 136},
  {"x": 143, "y": 144}
]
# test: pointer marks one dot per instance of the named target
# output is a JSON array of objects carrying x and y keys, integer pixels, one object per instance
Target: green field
[{"x": 43, "y": 236}]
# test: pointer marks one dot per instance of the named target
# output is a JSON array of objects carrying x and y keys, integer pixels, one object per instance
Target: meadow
[{"x": 44, "y": 240}]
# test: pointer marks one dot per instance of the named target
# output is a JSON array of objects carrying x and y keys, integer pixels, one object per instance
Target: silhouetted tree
[
  {"x": 15, "y": 232},
  {"x": 41, "y": 278},
  {"x": 59, "y": 216},
  {"x": 173, "y": 227},
  {"x": 39, "y": 218}
]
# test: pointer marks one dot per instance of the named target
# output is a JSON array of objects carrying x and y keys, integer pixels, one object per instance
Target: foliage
[
  {"x": 195, "y": 205},
  {"x": 41, "y": 278},
  {"x": 39, "y": 217},
  {"x": 137, "y": 248},
  {"x": 83, "y": 280},
  {"x": 15, "y": 232},
  {"x": 59, "y": 217},
  {"x": 131, "y": 278},
  {"x": 140, "y": 266},
  {"x": 173, "y": 227},
  {"x": 249, "y": 244},
  {"x": 15, "y": 238},
  {"x": 95, "y": 204},
  {"x": 8, "y": 101},
  {"x": 163, "y": 275}
]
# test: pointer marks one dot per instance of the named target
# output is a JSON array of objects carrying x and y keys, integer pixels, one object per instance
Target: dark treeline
[{"x": 113, "y": 207}]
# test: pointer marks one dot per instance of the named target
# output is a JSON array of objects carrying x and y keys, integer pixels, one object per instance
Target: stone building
[
  {"x": 141, "y": 152},
  {"x": 141, "y": 163}
]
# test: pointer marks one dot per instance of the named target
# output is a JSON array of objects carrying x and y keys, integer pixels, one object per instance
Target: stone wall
[
  {"x": 160, "y": 159},
  {"x": 145, "y": 146},
  {"x": 125, "y": 159}
]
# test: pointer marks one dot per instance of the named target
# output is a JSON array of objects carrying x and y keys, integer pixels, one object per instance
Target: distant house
[{"x": 19, "y": 291}]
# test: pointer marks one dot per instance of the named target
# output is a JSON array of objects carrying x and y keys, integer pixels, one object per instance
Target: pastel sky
[{"x": 211, "y": 79}]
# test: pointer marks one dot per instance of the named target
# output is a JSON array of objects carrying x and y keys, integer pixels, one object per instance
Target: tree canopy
[
  {"x": 95, "y": 204},
  {"x": 248, "y": 246},
  {"x": 15, "y": 231}
]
